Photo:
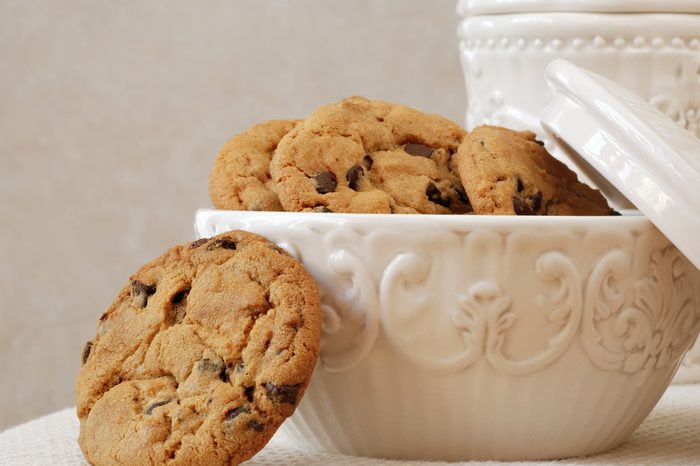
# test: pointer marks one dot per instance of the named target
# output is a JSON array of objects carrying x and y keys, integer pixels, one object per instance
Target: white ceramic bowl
[{"x": 483, "y": 337}]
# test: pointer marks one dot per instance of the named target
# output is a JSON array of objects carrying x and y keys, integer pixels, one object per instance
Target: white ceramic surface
[
  {"x": 504, "y": 57},
  {"x": 481, "y": 7},
  {"x": 654, "y": 55},
  {"x": 483, "y": 337}
]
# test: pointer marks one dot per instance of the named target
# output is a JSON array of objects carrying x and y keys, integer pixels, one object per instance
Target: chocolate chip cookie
[
  {"x": 240, "y": 178},
  {"x": 369, "y": 156},
  {"x": 510, "y": 172},
  {"x": 201, "y": 356}
]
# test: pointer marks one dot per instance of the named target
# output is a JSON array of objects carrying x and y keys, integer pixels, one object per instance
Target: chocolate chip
[
  {"x": 210, "y": 365},
  {"x": 141, "y": 288},
  {"x": 224, "y": 243},
  {"x": 353, "y": 176},
  {"x": 282, "y": 393},
  {"x": 326, "y": 182},
  {"x": 434, "y": 195},
  {"x": 179, "y": 296},
  {"x": 227, "y": 243},
  {"x": 231, "y": 414},
  {"x": 461, "y": 193},
  {"x": 420, "y": 150},
  {"x": 521, "y": 207},
  {"x": 482, "y": 143},
  {"x": 520, "y": 185},
  {"x": 254, "y": 425},
  {"x": 249, "y": 391},
  {"x": 367, "y": 161},
  {"x": 214, "y": 367},
  {"x": 537, "y": 200},
  {"x": 86, "y": 351},
  {"x": 198, "y": 243},
  {"x": 141, "y": 292},
  {"x": 153, "y": 406},
  {"x": 178, "y": 307},
  {"x": 615, "y": 212},
  {"x": 432, "y": 191},
  {"x": 541, "y": 143},
  {"x": 322, "y": 208}
]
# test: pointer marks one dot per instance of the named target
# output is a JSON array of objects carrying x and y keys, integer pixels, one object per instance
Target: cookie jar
[
  {"x": 485, "y": 337},
  {"x": 650, "y": 47}
]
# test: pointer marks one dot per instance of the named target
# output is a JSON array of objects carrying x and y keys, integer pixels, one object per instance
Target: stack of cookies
[
  {"x": 369, "y": 156},
  {"x": 208, "y": 348}
]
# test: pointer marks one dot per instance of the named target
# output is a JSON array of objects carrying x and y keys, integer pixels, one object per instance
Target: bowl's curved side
[{"x": 481, "y": 337}]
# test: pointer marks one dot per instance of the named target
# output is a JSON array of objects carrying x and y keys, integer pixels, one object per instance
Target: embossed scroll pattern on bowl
[{"x": 651, "y": 332}]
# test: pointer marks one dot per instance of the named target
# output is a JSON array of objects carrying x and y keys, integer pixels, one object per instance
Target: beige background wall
[{"x": 111, "y": 113}]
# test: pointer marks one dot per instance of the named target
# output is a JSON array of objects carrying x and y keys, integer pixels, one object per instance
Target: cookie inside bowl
[{"x": 369, "y": 156}]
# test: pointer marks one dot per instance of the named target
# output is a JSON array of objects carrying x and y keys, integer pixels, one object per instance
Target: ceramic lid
[
  {"x": 488, "y": 7},
  {"x": 621, "y": 141}
]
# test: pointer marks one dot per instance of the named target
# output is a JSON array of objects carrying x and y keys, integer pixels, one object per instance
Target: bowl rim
[{"x": 629, "y": 218}]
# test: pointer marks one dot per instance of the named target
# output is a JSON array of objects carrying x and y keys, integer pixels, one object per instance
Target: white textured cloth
[{"x": 669, "y": 436}]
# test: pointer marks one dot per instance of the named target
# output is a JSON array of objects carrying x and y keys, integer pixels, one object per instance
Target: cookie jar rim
[
  {"x": 466, "y": 8},
  {"x": 623, "y": 141},
  {"x": 554, "y": 29}
]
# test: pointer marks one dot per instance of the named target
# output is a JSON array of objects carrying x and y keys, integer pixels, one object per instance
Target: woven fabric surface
[{"x": 669, "y": 436}]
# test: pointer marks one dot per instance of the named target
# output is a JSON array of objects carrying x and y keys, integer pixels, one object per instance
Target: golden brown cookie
[
  {"x": 510, "y": 172},
  {"x": 369, "y": 156},
  {"x": 201, "y": 356},
  {"x": 240, "y": 178}
]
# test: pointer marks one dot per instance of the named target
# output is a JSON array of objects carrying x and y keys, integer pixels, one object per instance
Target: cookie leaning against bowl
[
  {"x": 201, "y": 356},
  {"x": 510, "y": 172},
  {"x": 240, "y": 177},
  {"x": 369, "y": 156}
]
